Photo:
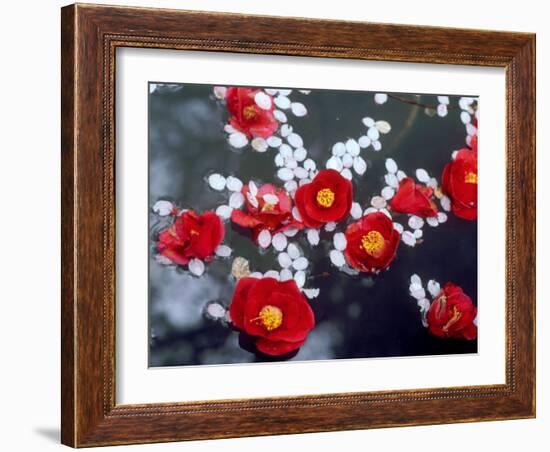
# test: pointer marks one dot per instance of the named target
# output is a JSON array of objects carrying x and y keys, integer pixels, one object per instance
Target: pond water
[{"x": 360, "y": 316}]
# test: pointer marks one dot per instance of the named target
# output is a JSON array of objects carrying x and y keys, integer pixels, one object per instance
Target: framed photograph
[{"x": 283, "y": 225}]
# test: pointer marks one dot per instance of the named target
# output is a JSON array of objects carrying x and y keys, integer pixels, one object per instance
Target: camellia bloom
[
  {"x": 191, "y": 236},
  {"x": 249, "y": 117},
  {"x": 268, "y": 208},
  {"x": 414, "y": 199},
  {"x": 459, "y": 182},
  {"x": 274, "y": 312},
  {"x": 452, "y": 314},
  {"x": 326, "y": 198},
  {"x": 371, "y": 242}
]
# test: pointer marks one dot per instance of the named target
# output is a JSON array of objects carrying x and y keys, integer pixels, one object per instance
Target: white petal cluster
[{"x": 418, "y": 292}]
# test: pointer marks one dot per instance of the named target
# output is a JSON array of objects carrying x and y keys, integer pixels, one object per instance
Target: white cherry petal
[
  {"x": 271, "y": 91},
  {"x": 311, "y": 293},
  {"x": 280, "y": 116},
  {"x": 434, "y": 288},
  {"x": 387, "y": 193},
  {"x": 291, "y": 186},
  {"x": 295, "y": 140},
  {"x": 353, "y": 147},
  {"x": 445, "y": 202},
  {"x": 271, "y": 198},
  {"x": 286, "y": 151},
  {"x": 454, "y": 154},
  {"x": 219, "y": 92},
  {"x": 340, "y": 241},
  {"x": 465, "y": 117},
  {"x": 223, "y": 251},
  {"x": 298, "y": 109},
  {"x": 301, "y": 263},
  {"x": 272, "y": 274},
  {"x": 234, "y": 184},
  {"x": 378, "y": 202},
  {"x": 330, "y": 226},
  {"x": 335, "y": 163},
  {"x": 391, "y": 180},
  {"x": 301, "y": 173},
  {"x": 347, "y": 174},
  {"x": 279, "y": 160},
  {"x": 286, "y": 130},
  {"x": 347, "y": 160},
  {"x": 442, "y": 217},
  {"x": 423, "y": 304},
  {"x": 284, "y": 92},
  {"x": 383, "y": 126},
  {"x": 443, "y": 99},
  {"x": 369, "y": 122},
  {"x": 256, "y": 275},
  {"x": 432, "y": 221},
  {"x": 408, "y": 238},
  {"x": 373, "y": 133},
  {"x": 238, "y": 140},
  {"x": 229, "y": 129},
  {"x": 163, "y": 208},
  {"x": 293, "y": 251},
  {"x": 313, "y": 236},
  {"x": 356, "y": 211},
  {"x": 376, "y": 145},
  {"x": 291, "y": 232},
  {"x": 259, "y": 144},
  {"x": 471, "y": 129},
  {"x": 398, "y": 227},
  {"x": 418, "y": 292},
  {"x": 386, "y": 212},
  {"x": 252, "y": 188},
  {"x": 339, "y": 149},
  {"x": 401, "y": 175},
  {"x": 296, "y": 214},
  {"x": 422, "y": 175},
  {"x": 415, "y": 222},
  {"x": 415, "y": 279},
  {"x": 432, "y": 183},
  {"x": 310, "y": 165},
  {"x": 264, "y": 238},
  {"x": 285, "y": 174},
  {"x": 364, "y": 141},
  {"x": 359, "y": 165},
  {"x": 216, "y": 181},
  {"x": 284, "y": 260},
  {"x": 391, "y": 166},
  {"x": 236, "y": 200},
  {"x": 300, "y": 278},
  {"x": 196, "y": 266},
  {"x": 442, "y": 110},
  {"x": 215, "y": 310},
  {"x": 282, "y": 102},
  {"x": 224, "y": 212},
  {"x": 274, "y": 141},
  {"x": 418, "y": 233},
  {"x": 263, "y": 100},
  {"x": 252, "y": 200},
  {"x": 300, "y": 154},
  {"x": 279, "y": 241},
  {"x": 285, "y": 274},
  {"x": 369, "y": 210},
  {"x": 291, "y": 164},
  {"x": 337, "y": 258},
  {"x": 380, "y": 98}
]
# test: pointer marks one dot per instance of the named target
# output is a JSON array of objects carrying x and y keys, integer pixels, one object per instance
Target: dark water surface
[{"x": 356, "y": 317}]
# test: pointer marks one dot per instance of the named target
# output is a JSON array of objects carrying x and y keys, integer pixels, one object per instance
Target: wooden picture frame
[{"x": 90, "y": 36}]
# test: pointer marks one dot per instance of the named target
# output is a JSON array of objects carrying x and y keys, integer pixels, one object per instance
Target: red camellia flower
[
  {"x": 326, "y": 198},
  {"x": 191, "y": 236},
  {"x": 452, "y": 314},
  {"x": 275, "y": 312},
  {"x": 414, "y": 199},
  {"x": 371, "y": 242},
  {"x": 459, "y": 182},
  {"x": 247, "y": 115},
  {"x": 269, "y": 208}
]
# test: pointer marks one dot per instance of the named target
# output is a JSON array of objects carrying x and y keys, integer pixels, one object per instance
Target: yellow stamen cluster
[
  {"x": 249, "y": 112},
  {"x": 455, "y": 318},
  {"x": 470, "y": 178},
  {"x": 325, "y": 197},
  {"x": 372, "y": 242},
  {"x": 271, "y": 317}
]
